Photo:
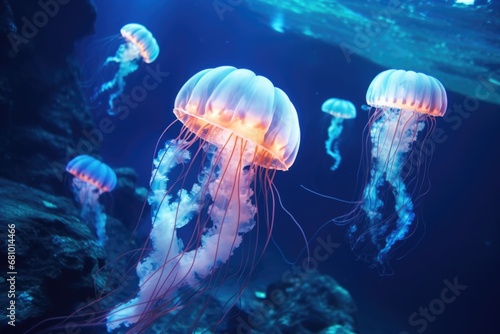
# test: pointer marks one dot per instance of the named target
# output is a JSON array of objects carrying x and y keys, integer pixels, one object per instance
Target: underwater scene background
[{"x": 53, "y": 70}]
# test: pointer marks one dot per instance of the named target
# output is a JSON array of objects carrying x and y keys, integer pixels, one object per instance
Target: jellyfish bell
[
  {"x": 237, "y": 131},
  {"x": 91, "y": 178},
  {"x": 339, "y": 110},
  {"x": 140, "y": 38},
  {"x": 245, "y": 106},
  {"x": 404, "y": 105},
  {"x": 92, "y": 172},
  {"x": 407, "y": 90}
]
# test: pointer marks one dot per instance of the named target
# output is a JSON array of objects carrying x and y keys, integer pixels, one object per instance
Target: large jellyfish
[
  {"x": 237, "y": 129},
  {"x": 402, "y": 103},
  {"x": 139, "y": 44},
  {"x": 340, "y": 110},
  {"x": 91, "y": 179}
]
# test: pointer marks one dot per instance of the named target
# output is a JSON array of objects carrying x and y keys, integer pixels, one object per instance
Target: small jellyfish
[
  {"x": 139, "y": 44},
  {"x": 214, "y": 180},
  {"x": 91, "y": 179},
  {"x": 402, "y": 103},
  {"x": 340, "y": 110}
]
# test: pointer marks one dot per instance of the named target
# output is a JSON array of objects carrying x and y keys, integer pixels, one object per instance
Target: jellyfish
[
  {"x": 91, "y": 179},
  {"x": 139, "y": 44},
  {"x": 403, "y": 103},
  {"x": 340, "y": 110},
  {"x": 237, "y": 129}
]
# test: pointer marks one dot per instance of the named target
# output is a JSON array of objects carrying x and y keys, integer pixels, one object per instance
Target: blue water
[{"x": 458, "y": 219}]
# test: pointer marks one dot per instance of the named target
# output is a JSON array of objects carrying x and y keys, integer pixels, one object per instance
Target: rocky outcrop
[
  {"x": 43, "y": 113},
  {"x": 56, "y": 256},
  {"x": 44, "y": 122},
  {"x": 305, "y": 304}
]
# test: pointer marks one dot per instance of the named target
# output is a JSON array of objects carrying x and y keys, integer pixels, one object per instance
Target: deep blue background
[{"x": 458, "y": 231}]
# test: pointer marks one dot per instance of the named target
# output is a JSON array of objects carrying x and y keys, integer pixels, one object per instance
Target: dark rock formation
[
  {"x": 44, "y": 122},
  {"x": 48, "y": 28},
  {"x": 125, "y": 194},
  {"x": 6, "y": 21},
  {"x": 56, "y": 256},
  {"x": 43, "y": 114},
  {"x": 311, "y": 303},
  {"x": 58, "y": 263}
]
